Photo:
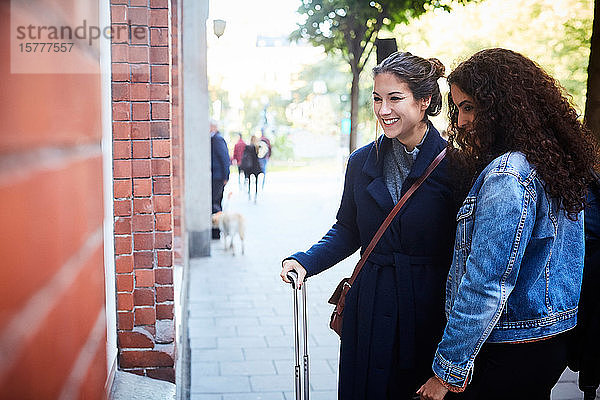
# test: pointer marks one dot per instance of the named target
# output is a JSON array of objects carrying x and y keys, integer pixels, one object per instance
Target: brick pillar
[{"x": 143, "y": 190}]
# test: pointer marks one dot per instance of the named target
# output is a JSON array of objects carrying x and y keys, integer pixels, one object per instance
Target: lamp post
[{"x": 219, "y": 27}]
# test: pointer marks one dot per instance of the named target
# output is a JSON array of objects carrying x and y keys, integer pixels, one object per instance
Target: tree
[
  {"x": 592, "y": 104},
  {"x": 351, "y": 27}
]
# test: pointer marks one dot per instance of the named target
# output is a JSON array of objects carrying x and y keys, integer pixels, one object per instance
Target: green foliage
[
  {"x": 250, "y": 118},
  {"x": 333, "y": 71},
  {"x": 282, "y": 148},
  {"x": 252, "y": 112},
  {"x": 254, "y": 107},
  {"x": 324, "y": 109}
]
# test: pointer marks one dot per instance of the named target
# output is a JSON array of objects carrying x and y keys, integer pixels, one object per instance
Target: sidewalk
[{"x": 240, "y": 324}]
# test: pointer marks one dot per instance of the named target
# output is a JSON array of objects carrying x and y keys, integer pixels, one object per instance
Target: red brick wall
[
  {"x": 52, "y": 316},
  {"x": 143, "y": 188}
]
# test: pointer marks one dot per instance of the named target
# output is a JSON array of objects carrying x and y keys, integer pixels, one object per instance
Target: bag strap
[{"x": 393, "y": 213}]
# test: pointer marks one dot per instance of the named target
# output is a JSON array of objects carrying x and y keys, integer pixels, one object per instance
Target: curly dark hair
[{"x": 519, "y": 107}]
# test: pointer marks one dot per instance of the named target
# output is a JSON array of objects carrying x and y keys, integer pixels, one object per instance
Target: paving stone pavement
[{"x": 240, "y": 312}]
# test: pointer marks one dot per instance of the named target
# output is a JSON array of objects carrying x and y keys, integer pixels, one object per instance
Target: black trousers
[
  {"x": 517, "y": 371},
  {"x": 217, "y": 195}
]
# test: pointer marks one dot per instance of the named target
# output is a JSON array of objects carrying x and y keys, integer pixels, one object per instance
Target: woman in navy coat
[{"x": 397, "y": 301}]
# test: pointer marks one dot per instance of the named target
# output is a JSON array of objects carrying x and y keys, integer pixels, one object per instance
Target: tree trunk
[
  {"x": 353, "y": 109},
  {"x": 592, "y": 104}
]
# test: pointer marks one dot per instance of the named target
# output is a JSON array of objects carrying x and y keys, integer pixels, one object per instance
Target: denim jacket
[{"x": 517, "y": 268}]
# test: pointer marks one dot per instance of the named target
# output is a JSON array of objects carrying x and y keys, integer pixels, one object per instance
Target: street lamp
[{"x": 219, "y": 27}]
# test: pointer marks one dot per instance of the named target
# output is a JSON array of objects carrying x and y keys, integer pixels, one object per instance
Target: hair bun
[{"x": 438, "y": 67}]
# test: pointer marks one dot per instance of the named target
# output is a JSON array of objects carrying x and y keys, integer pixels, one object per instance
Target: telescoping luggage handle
[{"x": 301, "y": 386}]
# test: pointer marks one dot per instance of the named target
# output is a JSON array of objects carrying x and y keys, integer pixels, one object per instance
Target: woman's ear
[{"x": 425, "y": 103}]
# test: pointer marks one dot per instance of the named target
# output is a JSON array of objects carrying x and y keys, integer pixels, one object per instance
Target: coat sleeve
[
  {"x": 343, "y": 239},
  {"x": 223, "y": 157}
]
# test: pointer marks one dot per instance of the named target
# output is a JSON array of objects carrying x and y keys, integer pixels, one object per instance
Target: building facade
[{"x": 98, "y": 225}]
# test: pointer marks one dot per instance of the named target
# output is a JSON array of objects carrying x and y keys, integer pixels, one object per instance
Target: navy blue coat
[
  {"x": 219, "y": 162},
  {"x": 394, "y": 313}
]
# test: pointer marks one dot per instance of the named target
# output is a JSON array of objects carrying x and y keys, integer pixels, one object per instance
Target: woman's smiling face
[{"x": 395, "y": 107}]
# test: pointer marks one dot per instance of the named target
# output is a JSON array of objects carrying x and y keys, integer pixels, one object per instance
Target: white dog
[{"x": 230, "y": 224}]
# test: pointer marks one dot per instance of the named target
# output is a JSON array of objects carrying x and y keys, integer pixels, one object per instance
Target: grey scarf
[{"x": 397, "y": 163}]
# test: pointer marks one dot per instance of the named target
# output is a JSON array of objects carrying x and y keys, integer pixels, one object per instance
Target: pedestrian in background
[
  {"x": 394, "y": 311},
  {"x": 238, "y": 152},
  {"x": 514, "y": 284},
  {"x": 219, "y": 167},
  {"x": 264, "y": 154},
  {"x": 251, "y": 166}
]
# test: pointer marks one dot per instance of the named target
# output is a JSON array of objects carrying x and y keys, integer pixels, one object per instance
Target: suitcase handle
[
  {"x": 293, "y": 276},
  {"x": 302, "y": 386}
]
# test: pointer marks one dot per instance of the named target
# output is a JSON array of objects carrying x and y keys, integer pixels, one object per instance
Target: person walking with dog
[
  {"x": 514, "y": 285},
  {"x": 219, "y": 167},
  {"x": 394, "y": 310},
  {"x": 251, "y": 166}
]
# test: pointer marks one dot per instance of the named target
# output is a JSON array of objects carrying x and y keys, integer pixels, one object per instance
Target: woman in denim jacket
[{"x": 513, "y": 288}]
